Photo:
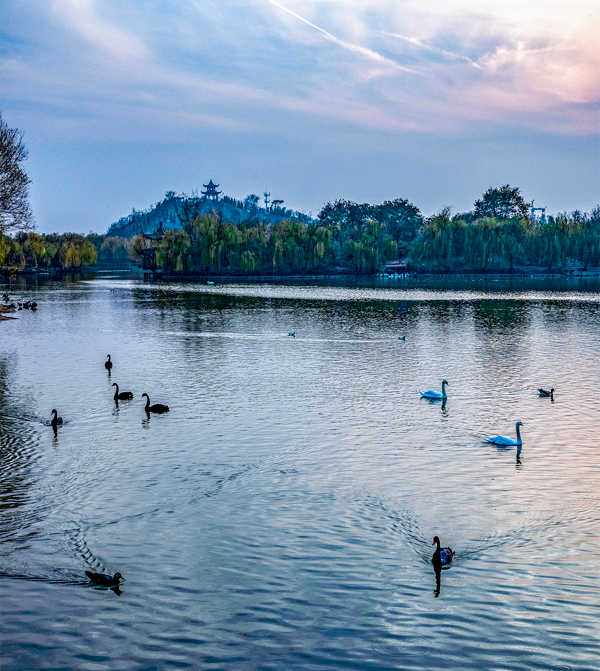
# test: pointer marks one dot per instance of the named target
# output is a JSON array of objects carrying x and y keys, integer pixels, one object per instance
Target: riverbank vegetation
[
  {"x": 345, "y": 238},
  {"x": 449, "y": 243},
  {"x": 64, "y": 251}
]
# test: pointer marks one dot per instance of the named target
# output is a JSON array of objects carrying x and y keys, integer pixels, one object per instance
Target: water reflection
[
  {"x": 438, "y": 579},
  {"x": 279, "y": 528},
  {"x": 519, "y": 463}
]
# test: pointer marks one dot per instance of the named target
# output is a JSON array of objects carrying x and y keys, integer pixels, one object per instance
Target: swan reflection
[{"x": 438, "y": 579}]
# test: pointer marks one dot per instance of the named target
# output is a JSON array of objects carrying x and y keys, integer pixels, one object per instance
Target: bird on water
[
  {"x": 157, "y": 407},
  {"x": 441, "y": 556},
  {"x": 546, "y": 394},
  {"x": 108, "y": 365},
  {"x": 122, "y": 396},
  {"x": 56, "y": 420},
  {"x": 503, "y": 440},
  {"x": 435, "y": 394},
  {"x": 104, "y": 580}
]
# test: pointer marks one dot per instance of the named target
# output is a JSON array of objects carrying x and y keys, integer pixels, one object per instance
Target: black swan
[
  {"x": 122, "y": 396},
  {"x": 56, "y": 420},
  {"x": 157, "y": 407},
  {"x": 546, "y": 394},
  {"x": 108, "y": 364},
  {"x": 441, "y": 556},
  {"x": 104, "y": 580}
]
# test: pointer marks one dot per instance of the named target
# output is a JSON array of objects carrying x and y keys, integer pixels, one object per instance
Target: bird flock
[
  {"x": 442, "y": 556},
  {"x": 25, "y": 305},
  {"x": 101, "y": 579}
]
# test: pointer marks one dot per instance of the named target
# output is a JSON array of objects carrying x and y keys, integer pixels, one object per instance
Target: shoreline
[{"x": 526, "y": 273}]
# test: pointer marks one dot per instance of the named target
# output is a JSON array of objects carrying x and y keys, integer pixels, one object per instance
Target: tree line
[
  {"x": 346, "y": 236},
  {"x": 453, "y": 243},
  {"x": 65, "y": 251}
]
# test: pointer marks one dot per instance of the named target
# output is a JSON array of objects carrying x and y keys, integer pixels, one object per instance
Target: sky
[{"x": 311, "y": 100}]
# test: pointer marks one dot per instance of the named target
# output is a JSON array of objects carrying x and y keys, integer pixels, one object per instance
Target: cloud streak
[{"x": 355, "y": 48}]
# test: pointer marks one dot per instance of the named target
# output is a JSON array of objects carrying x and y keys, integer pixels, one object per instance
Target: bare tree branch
[{"x": 15, "y": 212}]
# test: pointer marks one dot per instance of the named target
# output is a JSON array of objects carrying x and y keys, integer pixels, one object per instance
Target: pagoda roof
[
  {"x": 210, "y": 185},
  {"x": 157, "y": 235}
]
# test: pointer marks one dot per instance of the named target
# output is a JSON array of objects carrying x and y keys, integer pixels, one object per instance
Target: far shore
[{"x": 414, "y": 274}]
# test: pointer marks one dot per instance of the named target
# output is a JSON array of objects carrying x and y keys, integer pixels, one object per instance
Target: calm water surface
[{"x": 281, "y": 515}]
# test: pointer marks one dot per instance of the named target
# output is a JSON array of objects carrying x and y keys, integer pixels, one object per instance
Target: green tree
[{"x": 501, "y": 203}]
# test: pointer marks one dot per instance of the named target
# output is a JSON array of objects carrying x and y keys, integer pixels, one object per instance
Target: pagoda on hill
[{"x": 211, "y": 192}]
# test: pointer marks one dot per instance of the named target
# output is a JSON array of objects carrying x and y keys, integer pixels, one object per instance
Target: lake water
[{"x": 281, "y": 515}]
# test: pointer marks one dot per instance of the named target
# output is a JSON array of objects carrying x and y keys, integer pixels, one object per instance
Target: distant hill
[{"x": 175, "y": 211}]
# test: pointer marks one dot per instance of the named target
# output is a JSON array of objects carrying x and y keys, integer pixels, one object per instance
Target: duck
[
  {"x": 503, "y": 440},
  {"x": 401, "y": 337},
  {"x": 56, "y": 420},
  {"x": 441, "y": 556},
  {"x": 546, "y": 394},
  {"x": 123, "y": 396},
  {"x": 157, "y": 407},
  {"x": 435, "y": 394},
  {"x": 104, "y": 580},
  {"x": 108, "y": 364}
]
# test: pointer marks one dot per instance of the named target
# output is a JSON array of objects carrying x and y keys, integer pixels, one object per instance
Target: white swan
[
  {"x": 503, "y": 440},
  {"x": 435, "y": 394}
]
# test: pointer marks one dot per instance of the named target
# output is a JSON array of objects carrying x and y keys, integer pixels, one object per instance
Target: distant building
[{"x": 211, "y": 192}]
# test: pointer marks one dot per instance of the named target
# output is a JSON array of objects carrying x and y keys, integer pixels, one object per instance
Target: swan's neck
[
  {"x": 444, "y": 389},
  {"x": 147, "y": 402},
  {"x": 518, "y": 435}
]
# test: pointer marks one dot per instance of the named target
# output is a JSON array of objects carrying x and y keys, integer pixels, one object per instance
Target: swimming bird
[
  {"x": 401, "y": 337},
  {"x": 103, "y": 579},
  {"x": 157, "y": 407},
  {"x": 503, "y": 440},
  {"x": 56, "y": 420},
  {"x": 292, "y": 334},
  {"x": 441, "y": 556},
  {"x": 546, "y": 394},
  {"x": 435, "y": 394},
  {"x": 108, "y": 363},
  {"x": 123, "y": 396}
]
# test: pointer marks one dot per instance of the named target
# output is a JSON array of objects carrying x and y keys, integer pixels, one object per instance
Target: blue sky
[{"x": 313, "y": 100}]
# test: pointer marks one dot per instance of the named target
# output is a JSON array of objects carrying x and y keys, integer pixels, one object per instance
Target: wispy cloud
[
  {"x": 355, "y": 48},
  {"x": 447, "y": 54},
  {"x": 115, "y": 43},
  {"x": 239, "y": 64}
]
